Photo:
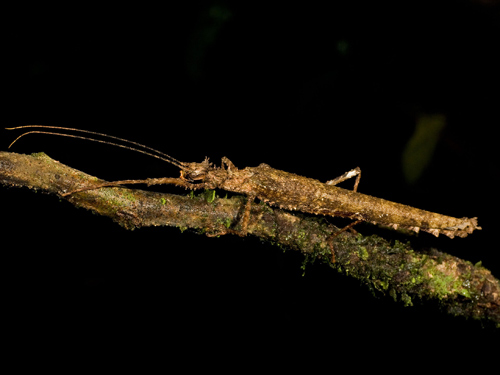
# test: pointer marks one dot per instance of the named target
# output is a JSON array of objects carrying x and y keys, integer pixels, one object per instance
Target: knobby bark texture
[{"x": 395, "y": 269}]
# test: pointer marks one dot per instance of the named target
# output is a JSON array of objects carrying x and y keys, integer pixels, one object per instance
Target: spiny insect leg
[{"x": 148, "y": 181}]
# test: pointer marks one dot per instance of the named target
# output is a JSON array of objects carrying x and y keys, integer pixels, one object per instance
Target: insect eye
[
  {"x": 197, "y": 174},
  {"x": 196, "y": 171}
]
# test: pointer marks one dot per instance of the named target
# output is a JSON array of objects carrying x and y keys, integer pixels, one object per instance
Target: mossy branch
[{"x": 394, "y": 269}]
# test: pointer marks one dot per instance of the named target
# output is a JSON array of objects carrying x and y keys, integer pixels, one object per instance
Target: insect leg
[
  {"x": 149, "y": 182},
  {"x": 228, "y": 163},
  {"x": 244, "y": 222},
  {"x": 246, "y": 215},
  {"x": 332, "y": 237},
  {"x": 353, "y": 172}
]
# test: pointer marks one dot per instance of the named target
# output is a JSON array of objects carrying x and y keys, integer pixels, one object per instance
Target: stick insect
[{"x": 285, "y": 190}]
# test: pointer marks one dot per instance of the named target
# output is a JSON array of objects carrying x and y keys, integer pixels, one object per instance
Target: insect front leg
[
  {"x": 149, "y": 182},
  {"x": 353, "y": 172},
  {"x": 245, "y": 219}
]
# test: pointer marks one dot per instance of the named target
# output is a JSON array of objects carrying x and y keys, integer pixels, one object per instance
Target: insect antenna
[{"x": 160, "y": 155}]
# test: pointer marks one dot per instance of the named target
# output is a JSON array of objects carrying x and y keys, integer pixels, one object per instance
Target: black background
[{"x": 313, "y": 90}]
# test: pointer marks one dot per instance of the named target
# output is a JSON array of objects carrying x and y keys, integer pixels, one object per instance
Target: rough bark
[{"x": 460, "y": 287}]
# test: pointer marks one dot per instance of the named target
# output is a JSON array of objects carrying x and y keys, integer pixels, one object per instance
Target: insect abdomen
[{"x": 294, "y": 192}]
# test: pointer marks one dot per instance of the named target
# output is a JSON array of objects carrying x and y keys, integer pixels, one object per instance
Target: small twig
[{"x": 460, "y": 287}]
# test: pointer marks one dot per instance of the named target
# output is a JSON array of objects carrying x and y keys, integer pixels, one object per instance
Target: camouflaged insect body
[{"x": 293, "y": 192}]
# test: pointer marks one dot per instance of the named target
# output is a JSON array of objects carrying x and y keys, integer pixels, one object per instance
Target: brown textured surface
[{"x": 294, "y": 192}]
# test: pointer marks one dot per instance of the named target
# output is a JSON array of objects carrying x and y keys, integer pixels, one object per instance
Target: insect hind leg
[
  {"x": 356, "y": 172},
  {"x": 332, "y": 237}
]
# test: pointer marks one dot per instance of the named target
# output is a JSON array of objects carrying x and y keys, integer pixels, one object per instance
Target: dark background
[{"x": 313, "y": 90}]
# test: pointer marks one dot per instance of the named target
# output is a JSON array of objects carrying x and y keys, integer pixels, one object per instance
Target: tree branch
[{"x": 395, "y": 269}]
